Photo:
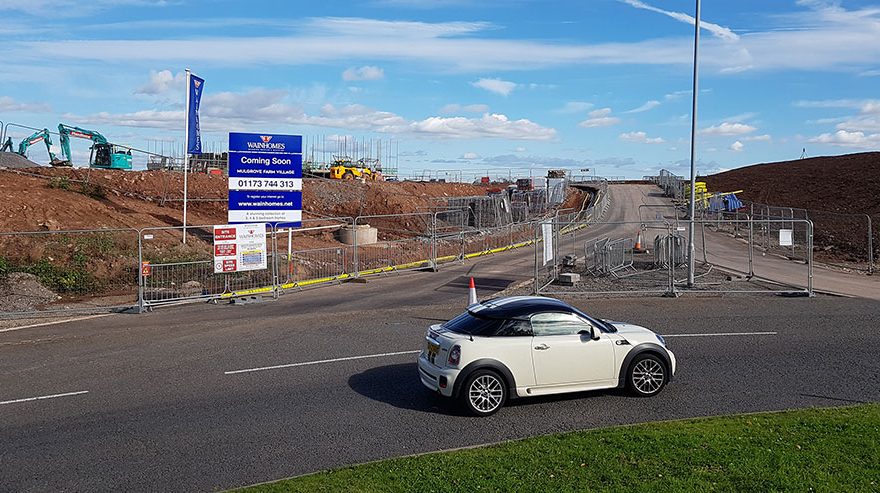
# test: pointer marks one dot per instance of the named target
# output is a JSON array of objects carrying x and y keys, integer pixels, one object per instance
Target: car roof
[{"x": 519, "y": 306}]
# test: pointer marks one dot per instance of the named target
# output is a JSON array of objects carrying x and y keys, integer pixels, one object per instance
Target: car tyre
[
  {"x": 647, "y": 375},
  {"x": 483, "y": 393}
]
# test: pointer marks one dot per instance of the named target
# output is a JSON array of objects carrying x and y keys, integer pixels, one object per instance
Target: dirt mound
[
  {"x": 13, "y": 160},
  {"x": 836, "y": 191},
  {"x": 846, "y": 184},
  {"x": 20, "y": 292},
  {"x": 45, "y": 198}
]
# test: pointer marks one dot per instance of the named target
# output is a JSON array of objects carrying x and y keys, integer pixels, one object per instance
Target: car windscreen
[{"x": 471, "y": 325}]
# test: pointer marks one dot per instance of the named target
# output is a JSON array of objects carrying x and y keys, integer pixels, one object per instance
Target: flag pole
[{"x": 186, "y": 150}]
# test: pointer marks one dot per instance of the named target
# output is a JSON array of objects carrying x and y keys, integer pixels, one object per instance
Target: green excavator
[
  {"x": 104, "y": 154},
  {"x": 35, "y": 138}
]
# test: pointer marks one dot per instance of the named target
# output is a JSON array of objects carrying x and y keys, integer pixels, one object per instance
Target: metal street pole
[{"x": 692, "y": 205}]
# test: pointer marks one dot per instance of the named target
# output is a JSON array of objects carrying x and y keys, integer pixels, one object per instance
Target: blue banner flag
[{"x": 194, "y": 139}]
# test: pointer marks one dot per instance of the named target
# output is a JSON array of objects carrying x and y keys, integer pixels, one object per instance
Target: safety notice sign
[{"x": 239, "y": 247}]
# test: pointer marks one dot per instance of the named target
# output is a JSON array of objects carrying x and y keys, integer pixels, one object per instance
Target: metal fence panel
[{"x": 90, "y": 270}]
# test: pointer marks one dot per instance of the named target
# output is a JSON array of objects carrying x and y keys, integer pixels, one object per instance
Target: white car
[{"x": 529, "y": 345}]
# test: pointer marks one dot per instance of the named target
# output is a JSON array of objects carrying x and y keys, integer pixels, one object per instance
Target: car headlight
[{"x": 661, "y": 339}]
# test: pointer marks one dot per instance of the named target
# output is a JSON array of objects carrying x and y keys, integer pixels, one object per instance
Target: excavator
[
  {"x": 104, "y": 154},
  {"x": 7, "y": 146},
  {"x": 36, "y": 137}
]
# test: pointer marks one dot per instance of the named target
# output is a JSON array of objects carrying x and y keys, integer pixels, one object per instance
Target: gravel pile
[
  {"x": 20, "y": 292},
  {"x": 13, "y": 160}
]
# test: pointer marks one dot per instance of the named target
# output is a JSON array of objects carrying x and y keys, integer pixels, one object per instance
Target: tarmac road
[{"x": 159, "y": 402}]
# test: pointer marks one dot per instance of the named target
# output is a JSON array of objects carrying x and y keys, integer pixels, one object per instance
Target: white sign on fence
[
  {"x": 785, "y": 237},
  {"x": 547, "y": 230},
  {"x": 239, "y": 247}
]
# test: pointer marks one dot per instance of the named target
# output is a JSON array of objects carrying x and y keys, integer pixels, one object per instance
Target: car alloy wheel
[
  {"x": 647, "y": 375},
  {"x": 484, "y": 393}
]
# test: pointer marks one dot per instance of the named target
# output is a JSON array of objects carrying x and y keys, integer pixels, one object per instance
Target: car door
[{"x": 563, "y": 352}]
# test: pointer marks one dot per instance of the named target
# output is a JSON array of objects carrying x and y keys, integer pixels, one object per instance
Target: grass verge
[{"x": 832, "y": 449}]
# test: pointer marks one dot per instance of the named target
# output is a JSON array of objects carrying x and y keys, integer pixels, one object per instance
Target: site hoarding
[
  {"x": 265, "y": 179},
  {"x": 239, "y": 247}
]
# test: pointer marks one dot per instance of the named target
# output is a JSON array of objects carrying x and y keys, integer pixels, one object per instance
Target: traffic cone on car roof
[{"x": 472, "y": 293}]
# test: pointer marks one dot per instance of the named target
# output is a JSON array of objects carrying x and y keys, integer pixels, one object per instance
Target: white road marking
[
  {"x": 723, "y": 334},
  {"x": 53, "y": 396},
  {"x": 307, "y": 363},
  {"x": 350, "y": 358},
  {"x": 56, "y": 322}
]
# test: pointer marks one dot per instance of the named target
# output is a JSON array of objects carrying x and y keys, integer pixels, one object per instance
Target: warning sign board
[{"x": 239, "y": 247}]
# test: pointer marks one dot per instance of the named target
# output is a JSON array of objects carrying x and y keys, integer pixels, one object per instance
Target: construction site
[{"x": 74, "y": 231}]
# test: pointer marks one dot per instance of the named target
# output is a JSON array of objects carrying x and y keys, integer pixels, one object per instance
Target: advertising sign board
[{"x": 265, "y": 178}]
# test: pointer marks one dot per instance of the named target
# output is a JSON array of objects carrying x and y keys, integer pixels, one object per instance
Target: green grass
[{"x": 831, "y": 450}]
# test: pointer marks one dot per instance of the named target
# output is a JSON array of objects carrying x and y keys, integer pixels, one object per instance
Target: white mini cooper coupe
[{"x": 529, "y": 345}]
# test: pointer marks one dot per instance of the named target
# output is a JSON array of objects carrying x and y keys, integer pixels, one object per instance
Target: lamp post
[{"x": 692, "y": 204}]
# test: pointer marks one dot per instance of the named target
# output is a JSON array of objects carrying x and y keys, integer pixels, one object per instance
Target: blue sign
[
  {"x": 194, "y": 138},
  {"x": 265, "y": 179}
]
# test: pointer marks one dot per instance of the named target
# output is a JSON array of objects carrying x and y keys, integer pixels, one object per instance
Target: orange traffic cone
[
  {"x": 472, "y": 293},
  {"x": 639, "y": 241}
]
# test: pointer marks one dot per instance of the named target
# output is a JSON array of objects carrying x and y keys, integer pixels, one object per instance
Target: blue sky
[{"x": 489, "y": 85}]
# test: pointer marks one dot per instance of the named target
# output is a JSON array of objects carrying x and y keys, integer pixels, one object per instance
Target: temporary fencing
[
  {"x": 600, "y": 257},
  {"x": 38, "y": 267},
  {"x": 135, "y": 269}
]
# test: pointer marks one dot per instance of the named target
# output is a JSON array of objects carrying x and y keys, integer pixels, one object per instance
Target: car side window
[
  {"x": 514, "y": 328},
  {"x": 555, "y": 324}
]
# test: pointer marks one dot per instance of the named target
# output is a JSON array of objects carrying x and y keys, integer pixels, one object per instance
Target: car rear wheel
[
  {"x": 484, "y": 393},
  {"x": 647, "y": 375}
]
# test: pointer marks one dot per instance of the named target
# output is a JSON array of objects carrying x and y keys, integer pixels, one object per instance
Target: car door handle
[{"x": 542, "y": 347}]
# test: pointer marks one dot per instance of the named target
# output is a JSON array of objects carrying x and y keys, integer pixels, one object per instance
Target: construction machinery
[
  {"x": 35, "y": 138},
  {"x": 344, "y": 168},
  {"x": 104, "y": 154},
  {"x": 7, "y": 146}
]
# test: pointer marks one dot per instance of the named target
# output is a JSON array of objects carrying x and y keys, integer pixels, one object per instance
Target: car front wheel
[
  {"x": 647, "y": 375},
  {"x": 484, "y": 393}
]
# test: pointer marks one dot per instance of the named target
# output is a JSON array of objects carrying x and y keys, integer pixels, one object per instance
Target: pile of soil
[{"x": 826, "y": 187}]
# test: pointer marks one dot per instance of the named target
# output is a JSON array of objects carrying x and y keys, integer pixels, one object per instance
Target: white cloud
[
  {"x": 843, "y": 138},
  {"x": 758, "y": 138},
  {"x": 72, "y": 8},
  {"x": 811, "y": 39},
  {"x": 162, "y": 82},
  {"x": 675, "y": 96},
  {"x": 230, "y": 111},
  {"x": 571, "y": 107},
  {"x": 648, "y": 106},
  {"x": 9, "y": 105},
  {"x": 728, "y": 129},
  {"x": 737, "y": 146},
  {"x": 490, "y": 125},
  {"x": 640, "y": 138},
  {"x": 715, "y": 29},
  {"x": 599, "y": 118},
  {"x": 451, "y": 109},
  {"x": 367, "y": 72},
  {"x": 497, "y": 86},
  {"x": 470, "y": 156}
]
